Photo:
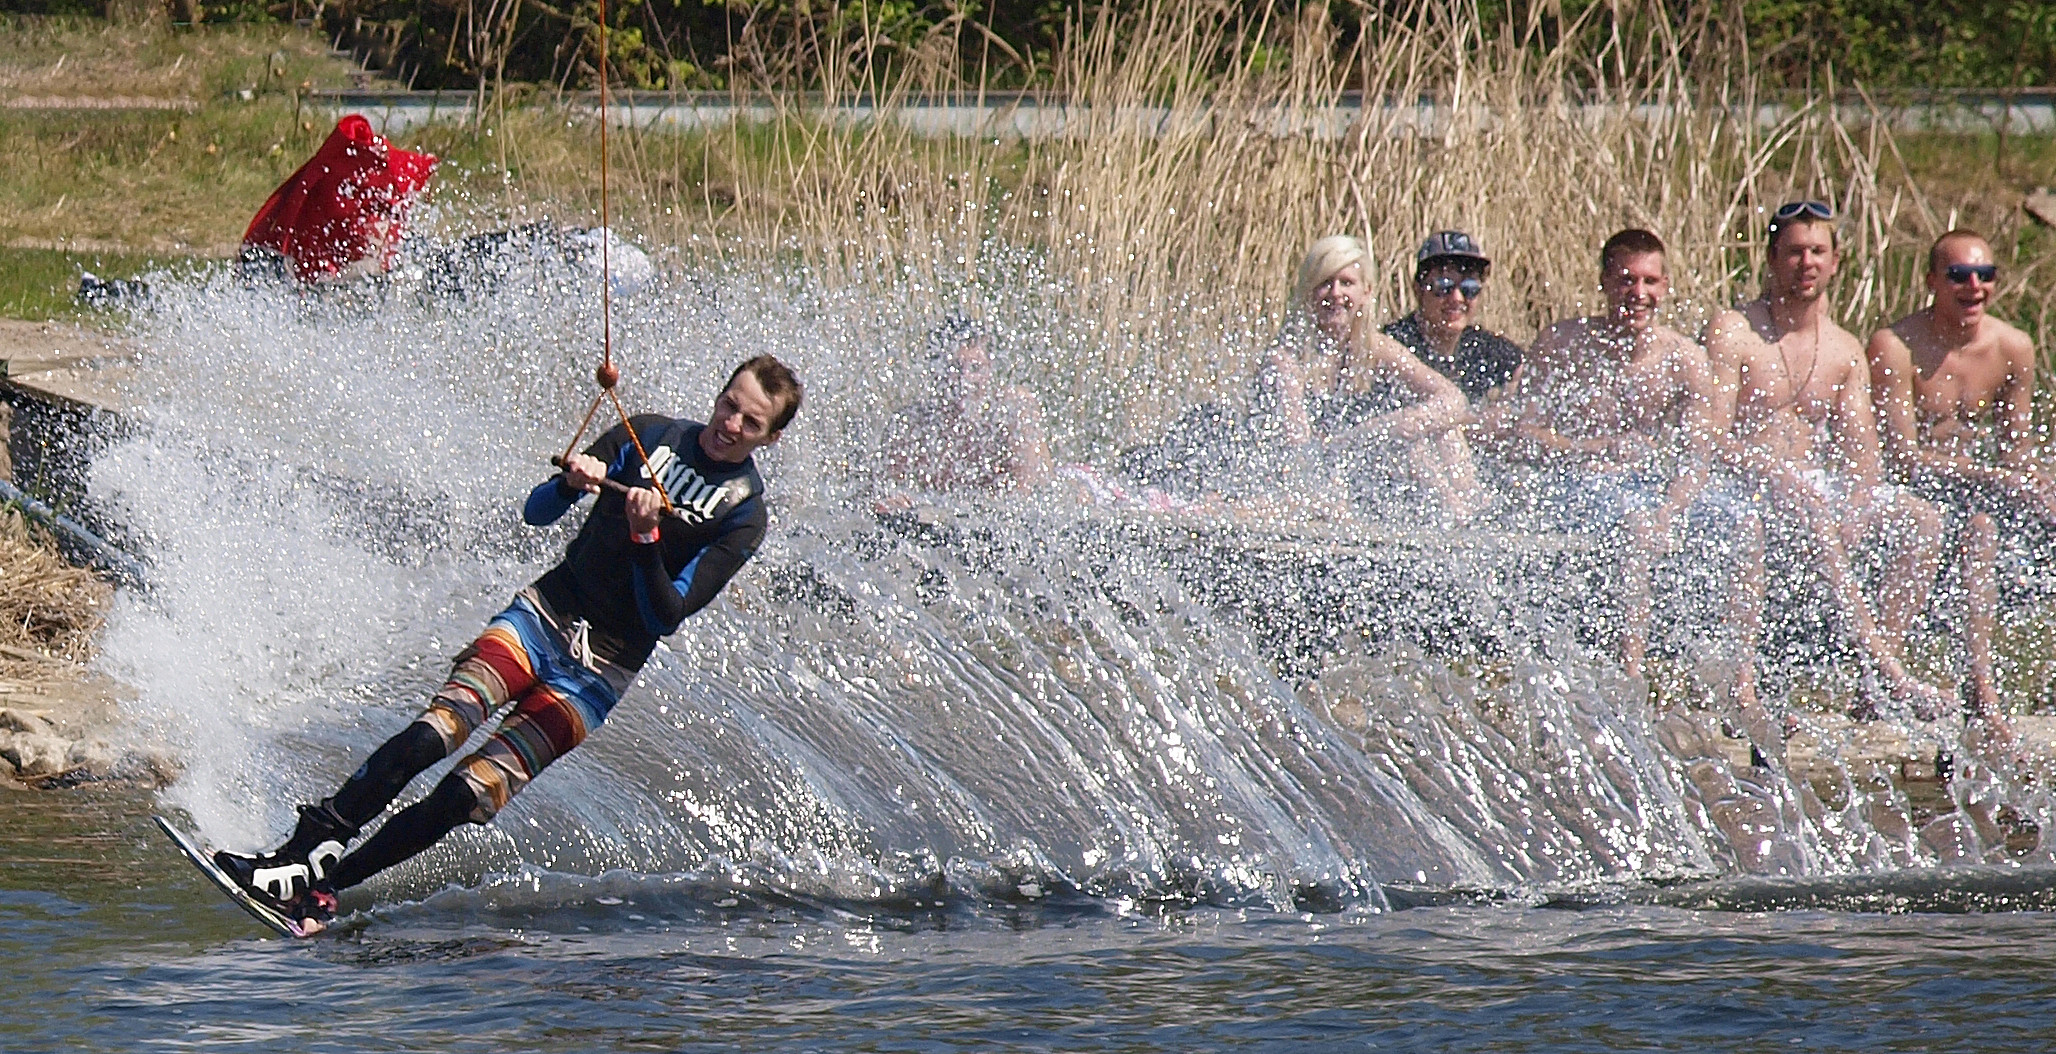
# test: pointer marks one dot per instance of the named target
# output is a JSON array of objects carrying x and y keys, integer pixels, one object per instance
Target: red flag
[{"x": 348, "y": 203}]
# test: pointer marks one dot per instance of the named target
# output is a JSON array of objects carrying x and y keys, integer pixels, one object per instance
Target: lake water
[{"x": 109, "y": 942}]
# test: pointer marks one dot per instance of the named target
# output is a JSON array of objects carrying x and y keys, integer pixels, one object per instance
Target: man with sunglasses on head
[
  {"x": 1955, "y": 395},
  {"x": 1449, "y": 276},
  {"x": 1796, "y": 387}
]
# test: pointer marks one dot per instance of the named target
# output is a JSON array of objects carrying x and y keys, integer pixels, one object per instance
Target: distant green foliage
[
  {"x": 1906, "y": 43},
  {"x": 56, "y": 7},
  {"x": 697, "y": 44}
]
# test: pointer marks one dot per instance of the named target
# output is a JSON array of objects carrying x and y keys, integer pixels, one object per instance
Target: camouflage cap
[{"x": 1445, "y": 244}]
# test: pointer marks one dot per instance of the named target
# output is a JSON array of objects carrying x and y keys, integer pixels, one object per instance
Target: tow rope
[{"x": 607, "y": 375}]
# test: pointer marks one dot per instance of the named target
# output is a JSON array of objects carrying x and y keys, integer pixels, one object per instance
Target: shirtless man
[
  {"x": 1606, "y": 396},
  {"x": 1805, "y": 434},
  {"x": 1955, "y": 396},
  {"x": 971, "y": 432},
  {"x": 1955, "y": 389}
]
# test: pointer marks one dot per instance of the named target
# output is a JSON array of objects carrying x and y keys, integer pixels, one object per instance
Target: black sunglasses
[
  {"x": 1961, "y": 273},
  {"x": 1469, "y": 287}
]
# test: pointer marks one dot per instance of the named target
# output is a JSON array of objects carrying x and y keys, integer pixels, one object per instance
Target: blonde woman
[{"x": 1389, "y": 423}]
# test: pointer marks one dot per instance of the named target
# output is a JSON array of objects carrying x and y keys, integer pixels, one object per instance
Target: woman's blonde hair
[{"x": 1326, "y": 257}]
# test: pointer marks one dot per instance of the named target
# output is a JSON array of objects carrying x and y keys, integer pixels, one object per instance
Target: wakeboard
[{"x": 201, "y": 859}]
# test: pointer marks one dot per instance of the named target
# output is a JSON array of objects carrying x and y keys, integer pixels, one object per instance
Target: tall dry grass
[
  {"x": 47, "y": 607},
  {"x": 1199, "y": 154}
]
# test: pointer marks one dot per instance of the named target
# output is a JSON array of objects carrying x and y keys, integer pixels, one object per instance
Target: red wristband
[{"x": 645, "y": 538}]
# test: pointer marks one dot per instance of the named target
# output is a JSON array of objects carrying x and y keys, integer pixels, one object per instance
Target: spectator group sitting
[{"x": 1911, "y": 452}]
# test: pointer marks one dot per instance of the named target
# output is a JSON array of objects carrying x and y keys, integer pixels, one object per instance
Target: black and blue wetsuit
[
  {"x": 564, "y": 651},
  {"x": 632, "y": 594}
]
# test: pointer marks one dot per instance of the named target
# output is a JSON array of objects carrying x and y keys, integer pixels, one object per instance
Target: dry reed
[
  {"x": 49, "y": 610},
  {"x": 1162, "y": 221}
]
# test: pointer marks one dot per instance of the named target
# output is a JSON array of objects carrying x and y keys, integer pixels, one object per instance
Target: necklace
[{"x": 1812, "y": 363}]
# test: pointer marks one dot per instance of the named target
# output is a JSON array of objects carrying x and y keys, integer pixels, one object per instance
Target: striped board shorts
[{"x": 560, "y": 691}]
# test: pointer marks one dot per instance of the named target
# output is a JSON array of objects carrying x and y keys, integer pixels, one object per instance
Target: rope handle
[{"x": 618, "y": 487}]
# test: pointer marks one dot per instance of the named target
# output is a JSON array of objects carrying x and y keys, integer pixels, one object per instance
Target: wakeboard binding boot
[{"x": 284, "y": 877}]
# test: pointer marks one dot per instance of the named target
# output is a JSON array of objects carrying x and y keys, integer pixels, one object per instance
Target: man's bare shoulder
[
  {"x": 1560, "y": 341},
  {"x": 1840, "y": 347},
  {"x": 1732, "y": 331},
  {"x": 1673, "y": 342},
  {"x": 1897, "y": 338},
  {"x": 2012, "y": 339},
  {"x": 1018, "y": 399},
  {"x": 1890, "y": 353},
  {"x": 1677, "y": 351}
]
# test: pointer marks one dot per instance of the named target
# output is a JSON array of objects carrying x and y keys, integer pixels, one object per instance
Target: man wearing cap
[
  {"x": 1797, "y": 388},
  {"x": 1449, "y": 276}
]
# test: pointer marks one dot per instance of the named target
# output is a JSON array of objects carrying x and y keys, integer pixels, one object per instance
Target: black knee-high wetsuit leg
[{"x": 412, "y": 830}]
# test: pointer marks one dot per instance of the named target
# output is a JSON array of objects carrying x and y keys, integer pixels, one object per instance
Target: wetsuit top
[
  {"x": 1484, "y": 360},
  {"x": 631, "y": 594}
]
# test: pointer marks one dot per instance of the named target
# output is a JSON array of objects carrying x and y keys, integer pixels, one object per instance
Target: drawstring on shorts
[{"x": 581, "y": 646}]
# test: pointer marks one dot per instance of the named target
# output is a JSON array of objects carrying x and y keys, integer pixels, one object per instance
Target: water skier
[{"x": 565, "y": 649}]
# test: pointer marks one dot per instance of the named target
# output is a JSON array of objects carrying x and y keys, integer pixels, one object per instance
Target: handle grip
[{"x": 616, "y": 486}]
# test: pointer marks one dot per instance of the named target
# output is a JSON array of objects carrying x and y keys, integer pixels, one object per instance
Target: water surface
[
  {"x": 1035, "y": 774},
  {"x": 109, "y": 942}
]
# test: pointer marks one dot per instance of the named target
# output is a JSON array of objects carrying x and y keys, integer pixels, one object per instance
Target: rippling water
[{"x": 116, "y": 946}]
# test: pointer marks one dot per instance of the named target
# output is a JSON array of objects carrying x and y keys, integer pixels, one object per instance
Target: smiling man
[
  {"x": 1450, "y": 270},
  {"x": 1955, "y": 389},
  {"x": 1805, "y": 437},
  {"x": 566, "y": 648},
  {"x": 1619, "y": 411},
  {"x": 1955, "y": 397}
]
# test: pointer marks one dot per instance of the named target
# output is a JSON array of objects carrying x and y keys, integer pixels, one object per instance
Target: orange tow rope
[{"x": 608, "y": 375}]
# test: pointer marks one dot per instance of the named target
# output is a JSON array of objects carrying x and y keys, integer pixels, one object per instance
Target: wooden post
[{"x": 6, "y": 440}]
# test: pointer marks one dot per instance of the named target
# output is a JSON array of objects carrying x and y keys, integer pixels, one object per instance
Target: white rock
[{"x": 33, "y": 754}]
